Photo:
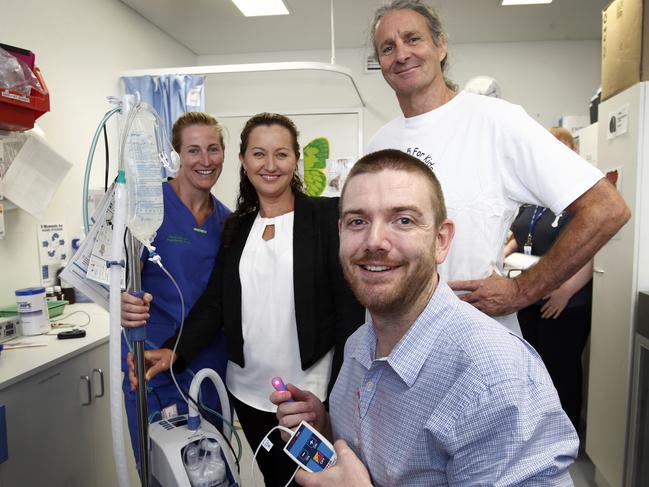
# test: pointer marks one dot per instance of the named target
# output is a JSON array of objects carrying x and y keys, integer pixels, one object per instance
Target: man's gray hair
[{"x": 433, "y": 21}]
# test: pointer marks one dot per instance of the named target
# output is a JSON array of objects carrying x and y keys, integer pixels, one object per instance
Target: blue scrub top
[{"x": 188, "y": 252}]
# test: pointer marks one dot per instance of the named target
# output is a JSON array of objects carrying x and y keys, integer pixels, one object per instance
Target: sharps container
[{"x": 32, "y": 309}]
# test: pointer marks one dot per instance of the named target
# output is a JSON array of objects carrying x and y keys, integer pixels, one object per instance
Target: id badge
[{"x": 527, "y": 249}]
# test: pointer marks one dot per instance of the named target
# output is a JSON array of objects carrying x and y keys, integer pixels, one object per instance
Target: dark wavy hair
[{"x": 248, "y": 200}]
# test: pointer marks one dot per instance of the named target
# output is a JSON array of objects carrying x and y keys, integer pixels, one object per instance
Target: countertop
[{"x": 19, "y": 364}]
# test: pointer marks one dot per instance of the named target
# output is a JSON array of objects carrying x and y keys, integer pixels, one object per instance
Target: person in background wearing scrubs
[
  {"x": 277, "y": 290},
  {"x": 188, "y": 242},
  {"x": 558, "y": 325}
]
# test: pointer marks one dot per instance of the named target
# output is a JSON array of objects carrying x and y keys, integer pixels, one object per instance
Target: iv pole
[{"x": 137, "y": 337}]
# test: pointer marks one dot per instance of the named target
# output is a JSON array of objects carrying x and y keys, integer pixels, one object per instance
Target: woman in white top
[{"x": 277, "y": 290}]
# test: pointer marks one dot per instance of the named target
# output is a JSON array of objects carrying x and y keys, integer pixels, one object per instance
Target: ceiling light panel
[
  {"x": 259, "y": 8},
  {"x": 506, "y": 3}
]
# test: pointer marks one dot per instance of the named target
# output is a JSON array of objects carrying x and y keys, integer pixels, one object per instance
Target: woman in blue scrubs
[{"x": 188, "y": 241}]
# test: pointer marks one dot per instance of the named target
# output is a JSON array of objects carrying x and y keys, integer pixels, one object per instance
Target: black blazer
[{"x": 326, "y": 311}]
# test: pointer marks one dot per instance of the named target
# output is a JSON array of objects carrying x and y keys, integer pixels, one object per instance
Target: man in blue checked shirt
[{"x": 432, "y": 391}]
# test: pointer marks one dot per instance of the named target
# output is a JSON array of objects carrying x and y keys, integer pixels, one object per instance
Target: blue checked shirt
[{"x": 459, "y": 401}]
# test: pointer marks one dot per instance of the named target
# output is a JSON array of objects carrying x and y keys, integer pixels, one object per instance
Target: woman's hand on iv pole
[
  {"x": 135, "y": 311},
  {"x": 305, "y": 407},
  {"x": 155, "y": 361}
]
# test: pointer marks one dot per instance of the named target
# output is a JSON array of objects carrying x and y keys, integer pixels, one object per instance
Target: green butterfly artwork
[{"x": 316, "y": 154}]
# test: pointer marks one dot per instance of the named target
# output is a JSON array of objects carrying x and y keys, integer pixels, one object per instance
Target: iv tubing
[
  {"x": 156, "y": 259},
  {"x": 86, "y": 177}
]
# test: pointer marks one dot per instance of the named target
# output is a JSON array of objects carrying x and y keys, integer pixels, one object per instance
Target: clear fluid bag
[{"x": 141, "y": 156}]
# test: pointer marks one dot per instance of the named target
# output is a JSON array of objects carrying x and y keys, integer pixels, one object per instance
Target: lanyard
[{"x": 530, "y": 231}]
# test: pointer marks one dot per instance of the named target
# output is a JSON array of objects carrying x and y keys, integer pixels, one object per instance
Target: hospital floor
[{"x": 582, "y": 471}]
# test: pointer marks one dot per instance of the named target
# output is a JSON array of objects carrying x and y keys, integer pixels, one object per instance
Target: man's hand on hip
[{"x": 494, "y": 295}]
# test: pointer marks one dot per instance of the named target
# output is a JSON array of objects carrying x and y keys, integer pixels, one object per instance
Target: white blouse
[{"x": 270, "y": 342}]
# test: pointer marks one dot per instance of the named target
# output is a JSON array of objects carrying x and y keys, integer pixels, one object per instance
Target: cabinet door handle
[
  {"x": 101, "y": 380},
  {"x": 597, "y": 270},
  {"x": 88, "y": 390}
]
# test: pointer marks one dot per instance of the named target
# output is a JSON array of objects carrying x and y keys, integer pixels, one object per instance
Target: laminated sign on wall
[{"x": 52, "y": 251}]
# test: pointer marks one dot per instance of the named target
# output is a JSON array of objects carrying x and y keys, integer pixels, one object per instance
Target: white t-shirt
[
  {"x": 490, "y": 157},
  {"x": 270, "y": 342}
]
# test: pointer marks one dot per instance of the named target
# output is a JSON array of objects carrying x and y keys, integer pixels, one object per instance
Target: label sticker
[
  {"x": 169, "y": 412},
  {"x": 14, "y": 96},
  {"x": 618, "y": 122},
  {"x": 267, "y": 444},
  {"x": 194, "y": 97}
]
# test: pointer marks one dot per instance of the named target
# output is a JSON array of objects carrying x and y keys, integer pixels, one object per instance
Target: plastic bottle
[
  {"x": 193, "y": 465},
  {"x": 58, "y": 293},
  {"x": 214, "y": 471},
  {"x": 49, "y": 294}
]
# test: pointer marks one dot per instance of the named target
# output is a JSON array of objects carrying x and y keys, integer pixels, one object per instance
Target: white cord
[
  {"x": 292, "y": 476},
  {"x": 58, "y": 318},
  {"x": 55, "y": 324},
  {"x": 156, "y": 259},
  {"x": 252, "y": 463}
]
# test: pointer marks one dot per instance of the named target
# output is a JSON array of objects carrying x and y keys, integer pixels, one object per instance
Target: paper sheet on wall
[
  {"x": 328, "y": 178},
  {"x": 53, "y": 251},
  {"x": 87, "y": 269},
  {"x": 34, "y": 176},
  {"x": 337, "y": 171},
  {"x": 10, "y": 146}
]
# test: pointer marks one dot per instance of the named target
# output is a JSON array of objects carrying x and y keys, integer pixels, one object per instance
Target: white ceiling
[{"x": 217, "y": 27}]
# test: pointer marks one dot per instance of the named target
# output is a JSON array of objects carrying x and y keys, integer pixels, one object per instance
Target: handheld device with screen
[{"x": 309, "y": 449}]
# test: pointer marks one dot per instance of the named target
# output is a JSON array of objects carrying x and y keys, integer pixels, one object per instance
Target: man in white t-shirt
[{"x": 490, "y": 157}]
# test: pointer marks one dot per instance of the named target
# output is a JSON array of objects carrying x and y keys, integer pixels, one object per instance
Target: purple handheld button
[{"x": 278, "y": 385}]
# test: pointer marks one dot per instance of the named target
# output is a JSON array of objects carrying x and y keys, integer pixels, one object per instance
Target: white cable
[
  {"x": 252, "y": 464},
  {"x": 56, "y": 321},
  {"x": 156, "y": 259},
  {"x": 292, "y": 477}
]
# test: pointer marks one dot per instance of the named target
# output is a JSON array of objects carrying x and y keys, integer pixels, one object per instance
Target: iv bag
[{"x": 145, "y": 209}]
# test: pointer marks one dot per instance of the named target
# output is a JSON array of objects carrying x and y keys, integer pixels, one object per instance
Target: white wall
[
  {"x": 82, "y": 47},
  {"x": 549, "y": 79}
]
